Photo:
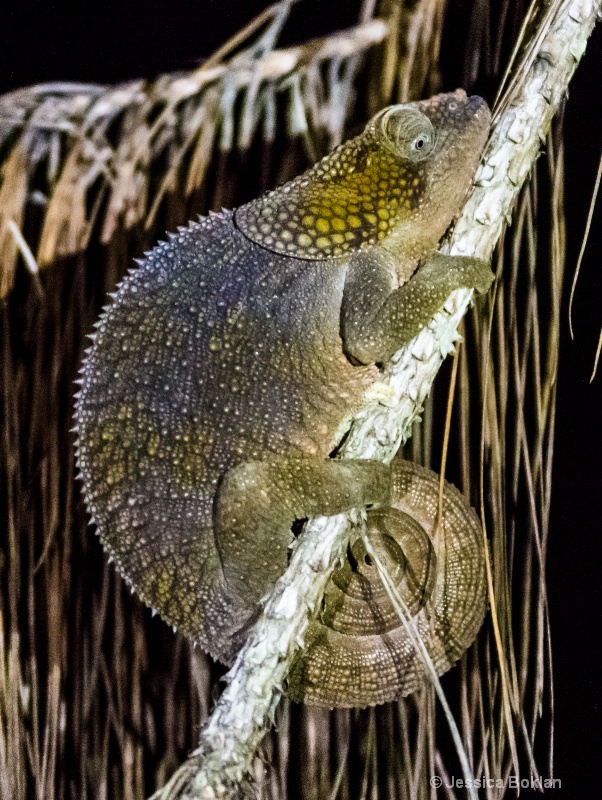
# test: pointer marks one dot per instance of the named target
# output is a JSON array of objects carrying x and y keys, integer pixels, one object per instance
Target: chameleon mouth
[
  {"x": 477, "y": 103},
  {"x": 462, "y": 124},
  {"x": 480, "y": 109}
]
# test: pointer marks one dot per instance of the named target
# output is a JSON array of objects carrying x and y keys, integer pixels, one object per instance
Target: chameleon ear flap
[
  {"x": 357, "y": 652},
  {"x": 351, "y": 199},
  {"x": 327, "y": 212}
]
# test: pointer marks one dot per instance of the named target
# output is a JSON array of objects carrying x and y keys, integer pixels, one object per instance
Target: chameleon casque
[{"x": 222, "y": 378}]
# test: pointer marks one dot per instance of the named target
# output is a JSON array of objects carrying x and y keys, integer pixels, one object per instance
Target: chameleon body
[{"x": 222, "y": 377}]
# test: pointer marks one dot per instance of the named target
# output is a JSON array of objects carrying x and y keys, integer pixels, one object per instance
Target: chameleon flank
[{"x": 221, "y": 378}]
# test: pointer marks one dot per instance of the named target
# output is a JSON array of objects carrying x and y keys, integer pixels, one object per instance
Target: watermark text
[{"x": 512, "y": 782}]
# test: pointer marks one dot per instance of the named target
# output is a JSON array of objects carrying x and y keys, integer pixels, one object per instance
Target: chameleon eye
[
  {"x": 420, "y": 143},
  {"x": 408, "y": 133}
]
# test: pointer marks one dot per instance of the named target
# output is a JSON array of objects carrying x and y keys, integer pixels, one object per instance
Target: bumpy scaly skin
[{"x": 221, "y": 378}]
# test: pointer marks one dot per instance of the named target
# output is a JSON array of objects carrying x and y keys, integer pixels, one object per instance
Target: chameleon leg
[
  {"x": 376, "y": 320},
  {"x": 258, "y": 502}
]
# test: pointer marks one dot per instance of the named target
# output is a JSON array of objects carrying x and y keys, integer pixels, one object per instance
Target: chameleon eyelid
[{"x": 415, "y": 127}]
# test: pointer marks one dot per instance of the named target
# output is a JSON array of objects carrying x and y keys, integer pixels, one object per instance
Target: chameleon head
[
  {"x": 437, "y": 145},
  {"x": 398, "y": 185}
]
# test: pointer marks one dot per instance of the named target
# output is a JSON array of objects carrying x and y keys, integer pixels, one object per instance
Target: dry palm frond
[
  {"x": 99, "y": 148},
  {"x": 97, "y": 699}
]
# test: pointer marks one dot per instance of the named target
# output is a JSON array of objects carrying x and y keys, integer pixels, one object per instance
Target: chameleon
[{"x": 222, "y": 378}]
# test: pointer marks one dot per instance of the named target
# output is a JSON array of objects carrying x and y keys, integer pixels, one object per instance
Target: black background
[{"x": 114, "y": 42}]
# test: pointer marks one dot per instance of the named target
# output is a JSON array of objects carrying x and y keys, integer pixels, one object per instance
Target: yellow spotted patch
[{"x": 350, "y": 200}]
